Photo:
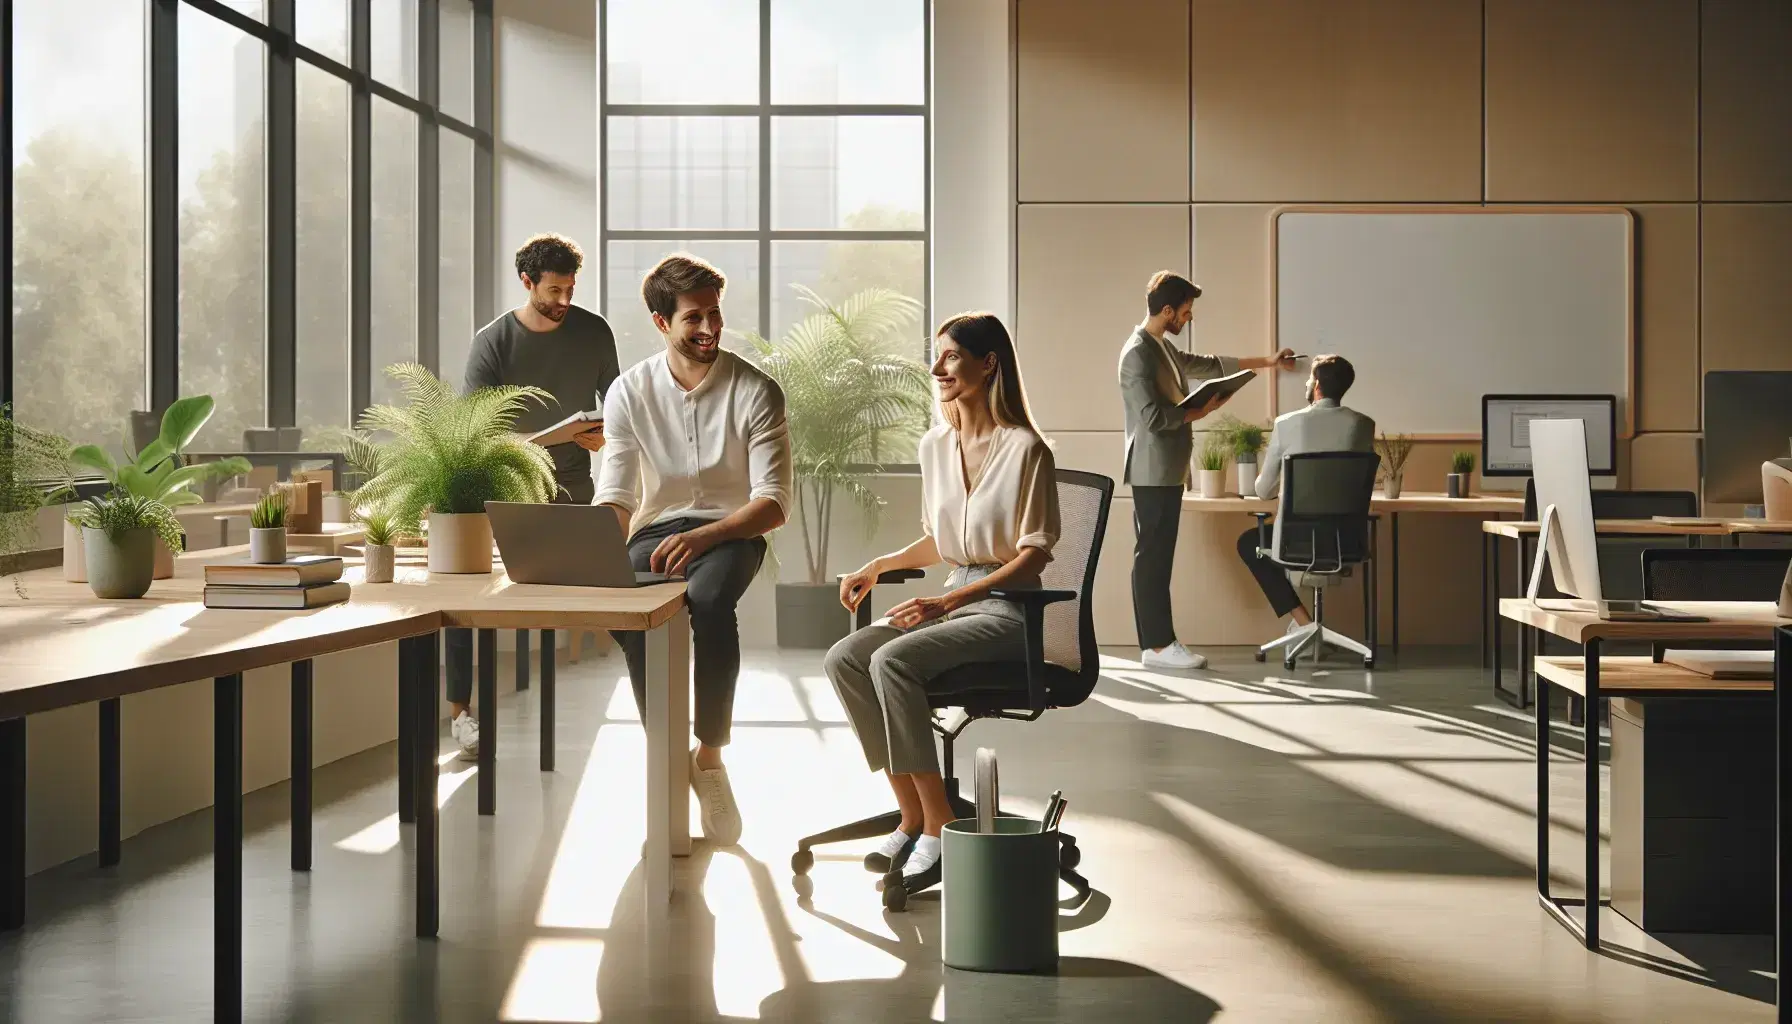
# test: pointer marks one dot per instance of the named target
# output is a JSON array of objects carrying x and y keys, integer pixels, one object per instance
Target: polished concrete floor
[{"x": 1327, "y": 845}]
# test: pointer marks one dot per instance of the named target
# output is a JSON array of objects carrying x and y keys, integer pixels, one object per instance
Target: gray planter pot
[
  {"x": 810, "y": 616},
  {"x": 379, "y": 560},
  {"x": 1455, "y": 485},
  {"x": 121, "y": 568},
  {"x": 267, "y": 547}
]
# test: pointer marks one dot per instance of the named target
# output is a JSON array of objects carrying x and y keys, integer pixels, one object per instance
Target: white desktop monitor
[
  {"x": 1506, "y": 430},
  {"x": 1559, "y": 457}
]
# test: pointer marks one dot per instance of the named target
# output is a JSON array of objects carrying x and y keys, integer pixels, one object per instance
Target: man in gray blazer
[
  {"x": 1323, "y": 426},
  {"x": 1154, "y": 377}
]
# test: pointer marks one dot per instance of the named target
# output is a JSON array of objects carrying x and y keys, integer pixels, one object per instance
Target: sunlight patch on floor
[
  {"x": 382, "y": 836},
  {"x": 746, "y": 965},
  {"x": 601, "y": 844},
  {"x": 556, "y": 980}
]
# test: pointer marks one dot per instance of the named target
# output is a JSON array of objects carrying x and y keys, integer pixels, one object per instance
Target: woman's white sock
[
  {"x": 925, "y": 855},
  {"x": 893, "y": 843}
]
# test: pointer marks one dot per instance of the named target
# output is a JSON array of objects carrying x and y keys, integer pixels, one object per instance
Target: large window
[
  {"x": 793, "y": 155},
  {"x": 229, "y": 197}
]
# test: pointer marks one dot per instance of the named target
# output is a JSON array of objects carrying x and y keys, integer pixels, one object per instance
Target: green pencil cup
[{"x": 999, "y": 897}]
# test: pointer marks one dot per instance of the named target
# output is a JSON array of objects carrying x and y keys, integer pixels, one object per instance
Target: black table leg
[
  {"x": 1591, "y": 733},
  {"x": 227, "y": 847},
  {"x": 12, "y": 823},
  {"x": 487, "y": 668},
  {"x": 1542, "y": 710},
  {"x": 407, "y": 739},
  {"x": 1485, "y": 536},
  {"x": 546, "y": 709},
  {"x": 1782, "y": 727},
  {"x": 1394, "y": 580},
  {"x": 522, "y": 660},
  {"x": 301, "y": 765},
  {"x": 111, "y": 784},
  {"x": 1497, "y": 626},
  {"x": 419, "y": 670},
  {"x": 1527, "y": 649}
]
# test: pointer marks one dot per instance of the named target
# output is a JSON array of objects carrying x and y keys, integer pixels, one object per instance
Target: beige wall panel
[
  {"x": 1103, "y": 101},
  {"x": 1592, "y": 101},
  {"x": 1745, "y": 100},
  {"x": 1746, "y": 321},
  {"x": 1232, "y": 268},
  {"x": 1337, "y": 100},
  {"x": 1082, "y": 277},
  {"x": 1667, "y": 329},
  {"x": 1101, "y": 452},
  {"x": 1664, "y": 462}
]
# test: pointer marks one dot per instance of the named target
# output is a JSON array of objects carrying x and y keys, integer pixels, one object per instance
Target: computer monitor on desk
[
  {"x": 1748, "y": 421},
  {"x": 1506, "y": 430}
]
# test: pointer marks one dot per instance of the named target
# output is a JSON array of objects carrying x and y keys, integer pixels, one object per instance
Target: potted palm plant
[
  {"x": 377, "y": 550},
  {"x": 34, "y": 473},
  {"x": 1462, "y": 467},
  {"x": 1245, "y": 441},
  {"x": 447, "y": 455},
  {"x": 1393, "y": 449},
  {"x": 853, "y": 402},
  {"x": 159, "y": 472},
  {"x": 267, "y": 529},
  {"x": 120, "y": 531},
  {"x": 1212, "y": 462}
]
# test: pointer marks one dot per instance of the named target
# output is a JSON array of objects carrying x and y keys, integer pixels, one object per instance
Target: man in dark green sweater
[{"x": 567, "y": 351}]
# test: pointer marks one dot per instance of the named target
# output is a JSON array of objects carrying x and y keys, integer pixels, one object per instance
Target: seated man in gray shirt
[{"x": 567, "y": 351}]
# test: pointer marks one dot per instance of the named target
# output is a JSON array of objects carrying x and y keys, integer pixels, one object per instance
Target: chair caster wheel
[
  {"x": 1259, "y": 655},
  {"x": 801, "y": 861},
  {"x": 1368, "y": 662},
  {"x": 895, "y": 897},
  {"x": 1069, "y": 856},
  {"x": 1288, "y": 664}
]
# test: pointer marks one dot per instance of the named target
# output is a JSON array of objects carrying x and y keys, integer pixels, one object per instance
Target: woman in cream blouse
[{"x": 989, "y": 508}]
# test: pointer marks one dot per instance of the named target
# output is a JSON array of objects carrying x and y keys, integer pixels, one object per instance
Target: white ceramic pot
[
  {"x": 74, "y": 553},
  {"x": 379, "y": 558},
  {"x": 1247, "y": 478},
  {"x": 1213, "y": 483},
  {"x": 267, "y": 547},
  {"x": 460, "y": 543},
  {"x": 337, "y": 509},
  {"x": 1391, "y": 486},
  {"x": 164, "y": 561}
]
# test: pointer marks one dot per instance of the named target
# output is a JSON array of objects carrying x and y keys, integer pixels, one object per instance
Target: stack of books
[{"x": 308, "y": 581}]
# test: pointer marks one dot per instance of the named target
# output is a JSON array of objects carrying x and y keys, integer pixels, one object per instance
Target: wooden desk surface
[
  {"x": 1574, "y": 620},
  {"x": 1641, "y": 676},
  {"x": 59, "y": 645},
  {"x": 1407, "y": 502},
  {"x": 1617, "y": 527}
]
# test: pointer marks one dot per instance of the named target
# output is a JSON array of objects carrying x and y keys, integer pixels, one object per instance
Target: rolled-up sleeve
[
  {"x": 769, "y": 470},
  {"x": 619, "y": 464},
  {"x": 1037, "y": 516},
  {"x": 1207, "y": 367}
]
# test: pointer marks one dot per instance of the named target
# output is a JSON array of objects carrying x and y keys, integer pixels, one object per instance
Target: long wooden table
[
  {"x": 60, "y": 646},
  {"x": 1575, "y": 621},
  {"x": 1381, "y": 504}
]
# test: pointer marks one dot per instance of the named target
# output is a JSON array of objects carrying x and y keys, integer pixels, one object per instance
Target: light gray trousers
[{"x": 882, "y": 673}]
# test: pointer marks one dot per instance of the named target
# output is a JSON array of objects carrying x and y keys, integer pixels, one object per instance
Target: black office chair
[
  {"x": 1625, "y": 504},
  {"x": 1321, "y": 530},
  {"x": 1060, "y": 671},
  {"x": 1713, "y": 574}
]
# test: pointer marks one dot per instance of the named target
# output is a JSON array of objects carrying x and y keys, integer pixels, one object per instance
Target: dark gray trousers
[
  {"x": 1156, "y": 516},
  {"x": 714, "y": 584}
]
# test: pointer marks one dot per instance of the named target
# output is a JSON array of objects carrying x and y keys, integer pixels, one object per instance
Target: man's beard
[
  {"x": 554, "y": 313},
  {"x": 690, "y": 350}
]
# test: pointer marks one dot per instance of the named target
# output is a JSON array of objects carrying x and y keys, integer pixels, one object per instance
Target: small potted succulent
[
  {"x": 378, "y": 533},
  {"x": 267, "y": 529},
  {"x": 1246, "y": 441},
  {"x": 1462, "y": 467},
  {"x": 1212, "y": 462},
  {"x": 1393, "y": 449},
  {"x": 120, "y": 532}
]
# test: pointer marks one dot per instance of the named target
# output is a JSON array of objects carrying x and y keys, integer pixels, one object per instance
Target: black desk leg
[
  {"x": 1394, "y": 580},
  {"x": 1782, "y": 727},
  {"x": 1484, "y": 626},
  {"x": 1542, "y": 709},
  {"x": 1496, "y": 625},
  {"x": 522, "y": 660},
  {"x": 301, "y": 765},
  {"x": 111, "y": 784},
  {"x": 1529, "y": 643},
  {"x": 1590, "y": 723},
  {"x": 546, "y": 709},
  {"x": 12, "y": 823},
  {"x": 227, "y": 847},
  {"x": 488, "y": 721},
  {"x": 407, "y": 738},
  {"x": 419, "y": 671}
]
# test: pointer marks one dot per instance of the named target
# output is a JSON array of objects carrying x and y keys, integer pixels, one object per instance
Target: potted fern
[
  {"x": 1245, "y": 441},
  {"x": 378, "y": 553},
  {"x": 34, "y": 473},
  {"x": 852, "y": 401},
  {"x": 159, "y": 472},
  {"x": 1212, "y": 462},
  {"x": 267, "y": 529},
  {"x": 1393, "y": 449},
  {"x": 448, "y": 454},
  {"x": 120, "y": 531},
  {"x": 1462, "y": 467}
]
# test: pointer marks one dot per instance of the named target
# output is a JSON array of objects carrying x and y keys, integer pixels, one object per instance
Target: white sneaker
[
  {"x": 721, "y": 817},
  {"x": 1174, "y": 656},
  {"x": 465, "y": 731}
]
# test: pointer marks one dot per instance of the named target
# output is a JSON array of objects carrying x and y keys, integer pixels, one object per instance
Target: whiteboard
[{"x": 1436, "y": 308}]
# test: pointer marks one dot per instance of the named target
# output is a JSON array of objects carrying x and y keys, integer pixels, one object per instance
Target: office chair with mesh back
[
  {"x": 1321, "y": 530},
  {"x": 1060, "y": 671},
  {"x": 1625, "y": 504},
  {"x": 1714, "y": 574}
]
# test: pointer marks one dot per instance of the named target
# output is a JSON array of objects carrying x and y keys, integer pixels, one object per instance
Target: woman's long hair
[{"x": 981, "y": 334}]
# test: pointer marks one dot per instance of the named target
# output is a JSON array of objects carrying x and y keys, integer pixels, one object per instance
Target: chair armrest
[
  {"x": 1033, "y": 603},
  {"x": 1263, "y": 542},
  {"x": 1032, "y": 597},
  {"x": 900, "y": 575}
]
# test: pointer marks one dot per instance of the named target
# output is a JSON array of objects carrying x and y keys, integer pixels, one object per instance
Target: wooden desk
[
  {"x": 1576, "y": 622},
  {"x": 60, "y": 647},
  {"x": 1381, "y": 504}
]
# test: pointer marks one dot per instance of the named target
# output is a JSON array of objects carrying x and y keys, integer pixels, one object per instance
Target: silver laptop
[{"x": 564, "y": 545}]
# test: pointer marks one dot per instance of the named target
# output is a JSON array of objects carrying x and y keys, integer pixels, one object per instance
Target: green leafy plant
[
  {"x": 1214, "y": 451},
  {"x": 1393, "y": 449},
  {"x": 377, "y": 528},
  {"x": 119, "y": 513},
  {"x": 1244, "y": 440},
  {"x": 34, "y": 472},
  {"x": 1462, "y": 462},
  {"x": 158, "y": 471},
  {"x": 450, "y": 453},
  {"x": 269, "y": 512},
  {"x": 852, "y": 400}
]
